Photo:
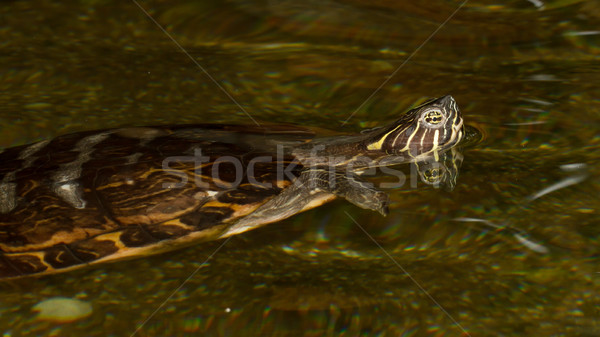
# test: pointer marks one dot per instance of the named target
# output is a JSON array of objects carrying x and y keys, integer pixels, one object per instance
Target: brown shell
[{"x": 103, "y": 195}]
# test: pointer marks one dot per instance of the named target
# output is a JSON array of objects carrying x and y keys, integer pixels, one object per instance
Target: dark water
[{"x": 525, "y": 73}]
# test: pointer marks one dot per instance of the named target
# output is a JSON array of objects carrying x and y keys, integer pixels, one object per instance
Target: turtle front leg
[
  {"x": 313, "y": 187},
  {"x": 348, "y": 186}
]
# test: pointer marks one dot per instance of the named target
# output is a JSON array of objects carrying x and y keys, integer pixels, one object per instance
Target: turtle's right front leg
[
  {"x": 313, "y": 187},
  {"x": 348, "y": 186}
]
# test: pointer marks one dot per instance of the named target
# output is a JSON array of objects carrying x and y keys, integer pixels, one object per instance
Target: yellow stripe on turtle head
[{"x": 378, "y": 145}]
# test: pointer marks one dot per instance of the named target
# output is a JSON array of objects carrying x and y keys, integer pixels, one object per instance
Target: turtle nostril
[{"x": 448, "y": 99}]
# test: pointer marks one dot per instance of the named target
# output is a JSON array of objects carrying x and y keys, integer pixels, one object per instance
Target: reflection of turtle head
[{"x": 442, "y": 172}]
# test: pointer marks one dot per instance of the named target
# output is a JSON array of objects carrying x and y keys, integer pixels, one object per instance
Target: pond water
[{"x": 512, "y": 250}]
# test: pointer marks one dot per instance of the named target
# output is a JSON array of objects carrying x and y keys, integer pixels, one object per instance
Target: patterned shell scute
[{"x": 84, "y": 196}]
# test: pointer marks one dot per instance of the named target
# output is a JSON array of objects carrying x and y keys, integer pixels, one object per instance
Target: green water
[{"x": 527, "y": 76}]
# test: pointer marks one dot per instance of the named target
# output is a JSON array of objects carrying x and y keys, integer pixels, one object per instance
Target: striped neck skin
[{"x": 422, "y": 132}]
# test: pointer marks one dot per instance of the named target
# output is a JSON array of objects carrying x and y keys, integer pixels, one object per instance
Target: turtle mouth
[
  {"x": 457, "y": 127},
  {"x": 458, "y": 130}
]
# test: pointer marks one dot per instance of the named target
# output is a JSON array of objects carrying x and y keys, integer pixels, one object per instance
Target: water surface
[{"x": 525, "y": 74}]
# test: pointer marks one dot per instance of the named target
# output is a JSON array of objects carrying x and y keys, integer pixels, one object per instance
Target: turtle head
[{"x": 431, "y": 127}]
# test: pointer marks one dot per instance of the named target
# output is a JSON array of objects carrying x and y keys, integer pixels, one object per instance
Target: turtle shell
[{"x": 104, "y": 195}]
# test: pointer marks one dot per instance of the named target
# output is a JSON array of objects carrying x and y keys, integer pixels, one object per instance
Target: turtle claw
[
  {"x": 384, "y": 210},
  {"x": 369, "y": 198}
]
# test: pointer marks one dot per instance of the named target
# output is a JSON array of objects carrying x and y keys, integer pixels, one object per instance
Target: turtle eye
[
  {"x": 432, "y": 176},
  {"x": 433, "y": 117}
]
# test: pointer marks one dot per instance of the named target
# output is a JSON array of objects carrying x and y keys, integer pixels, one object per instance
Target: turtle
[{"x": 99, "y": 196}]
